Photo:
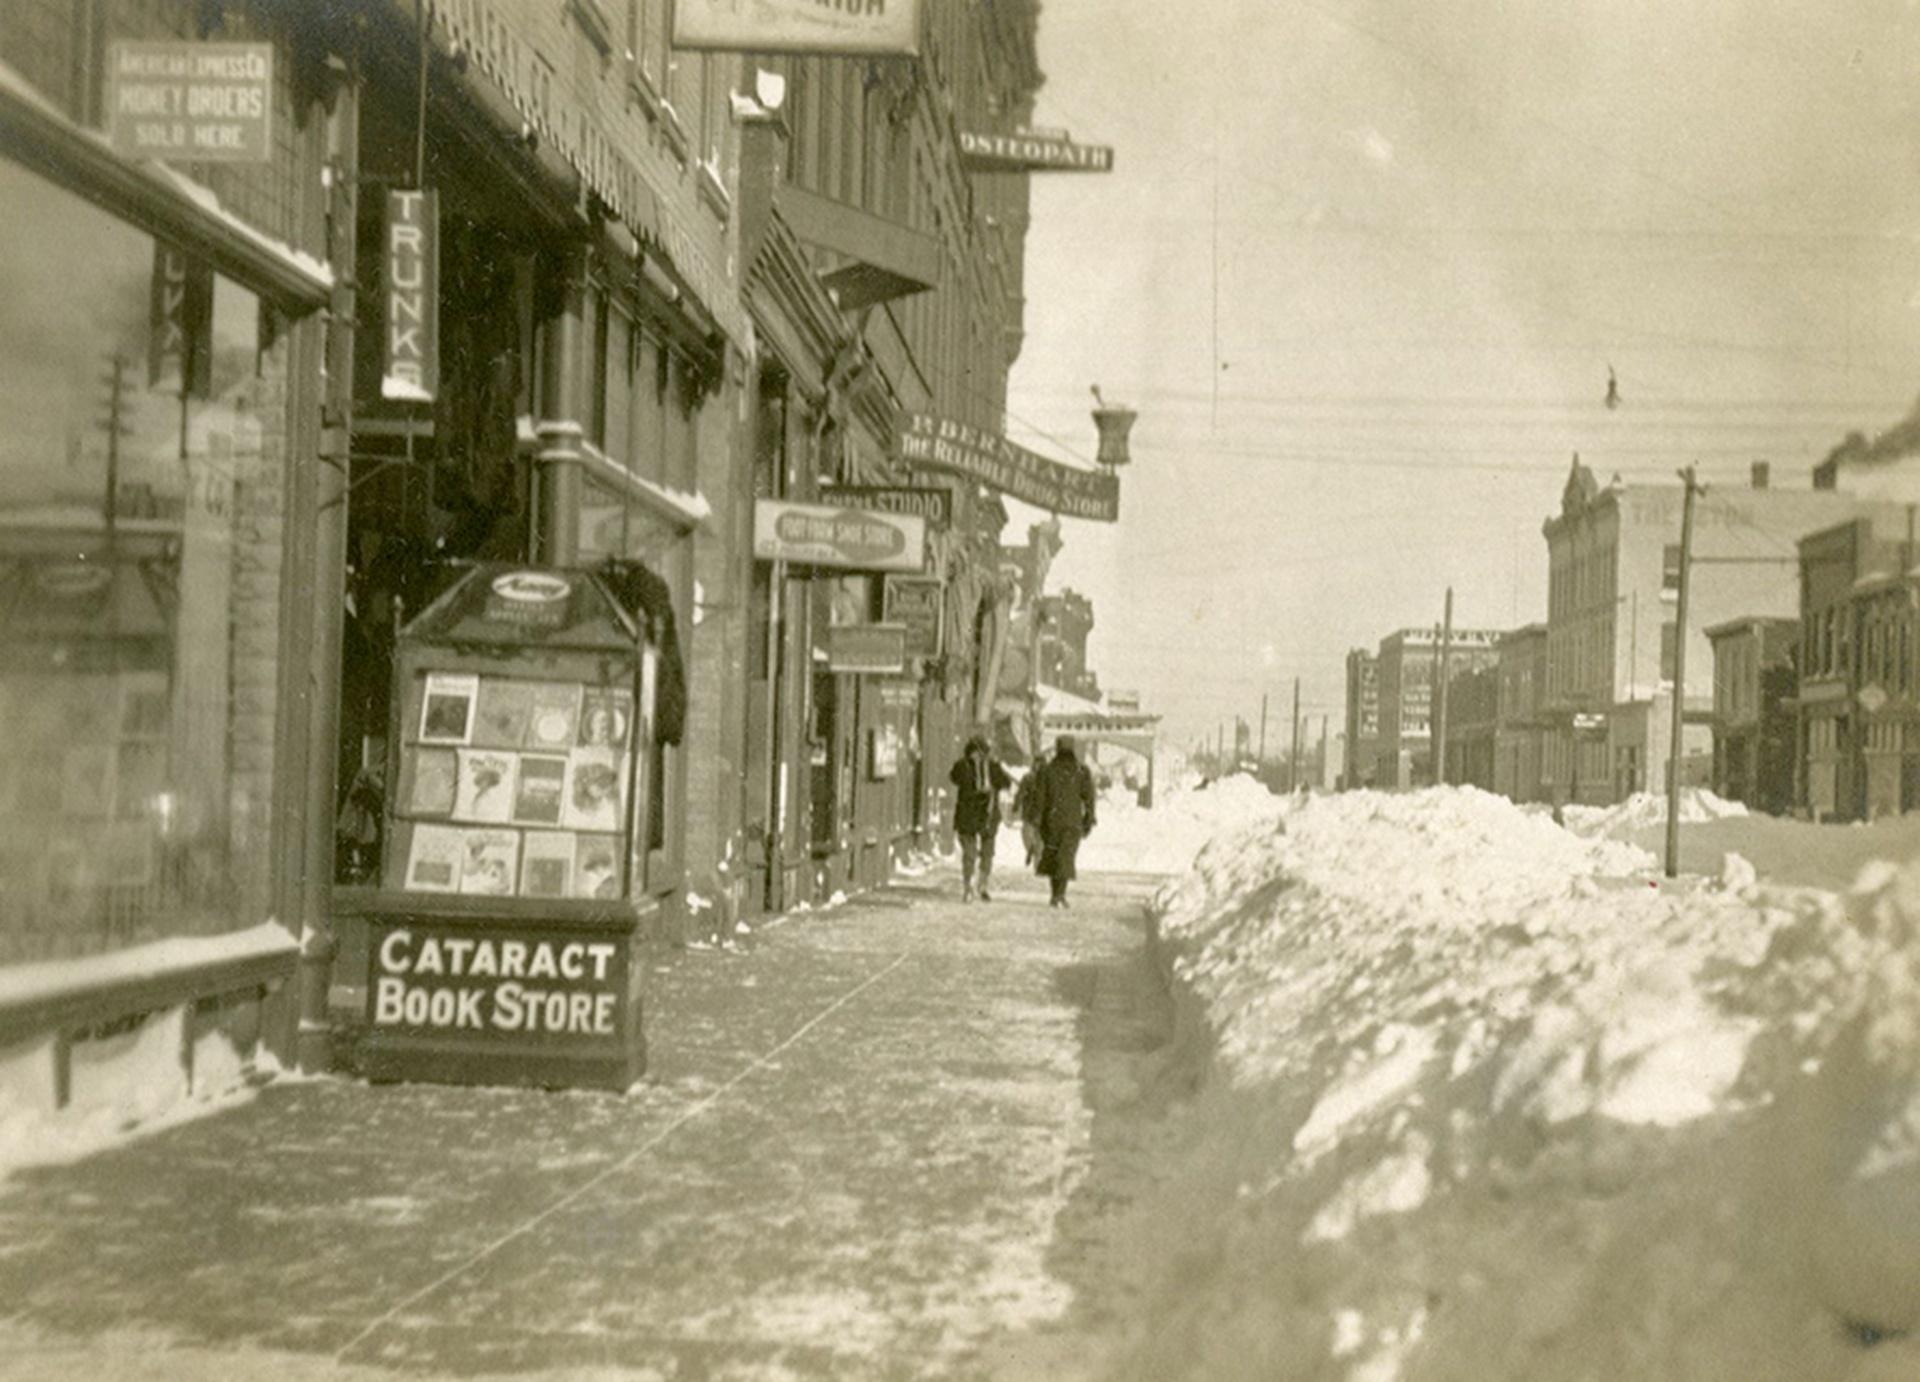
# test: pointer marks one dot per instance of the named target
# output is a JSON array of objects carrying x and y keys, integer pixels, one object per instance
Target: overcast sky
[{"x": 1363, "y": 267}]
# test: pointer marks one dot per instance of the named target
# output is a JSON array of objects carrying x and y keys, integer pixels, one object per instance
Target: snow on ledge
[
  {"x": 51, "y": 979},
  {"x": 318, "y": 273}
]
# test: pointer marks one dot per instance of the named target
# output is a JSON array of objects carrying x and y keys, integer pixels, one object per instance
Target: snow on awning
[{"x": 682, "y": 510}]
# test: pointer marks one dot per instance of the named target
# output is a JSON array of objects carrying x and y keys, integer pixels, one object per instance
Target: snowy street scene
[{"x": 959, "y": 689}]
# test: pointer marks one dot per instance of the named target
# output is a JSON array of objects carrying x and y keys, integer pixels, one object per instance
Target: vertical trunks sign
[{"x": 411, "y": 372}]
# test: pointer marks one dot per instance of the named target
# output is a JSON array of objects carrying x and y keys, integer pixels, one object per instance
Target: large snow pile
[
  {"x": 1165, "y": 837},
  {"x": 1495, "y": 1101},
  {"x": 1644, "y": 809}
]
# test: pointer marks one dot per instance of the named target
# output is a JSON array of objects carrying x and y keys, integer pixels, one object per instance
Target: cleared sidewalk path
[{"x": 854, "y": 1155}]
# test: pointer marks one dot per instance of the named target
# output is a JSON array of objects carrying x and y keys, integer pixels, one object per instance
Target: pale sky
[{"x": 1363, "y": 266}]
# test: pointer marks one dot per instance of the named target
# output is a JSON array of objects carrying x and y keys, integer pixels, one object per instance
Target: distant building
[
  {"x": 1065, "y": 622},
  {"x": 1753, "y": 717},
  {"x": 1408, "y": 665},
  {"x": 1473, "y": 703},
  {"x": 1856, "y": 674},
  {"x": 1520, "y": 731},
  {"x": 1363, "y": 719},
  {"x": 1613, "y": 586}
]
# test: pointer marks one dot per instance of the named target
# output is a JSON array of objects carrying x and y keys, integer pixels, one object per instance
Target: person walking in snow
[
  {"x": 1024, "y": 810},
  {"x": 1064, "y": 811},
  {"x": 979, "y": 780}
]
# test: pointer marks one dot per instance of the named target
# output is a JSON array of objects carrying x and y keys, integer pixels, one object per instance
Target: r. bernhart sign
[
  {"x": 799, "y": 26},
  {"x": 943, "y": 444}
]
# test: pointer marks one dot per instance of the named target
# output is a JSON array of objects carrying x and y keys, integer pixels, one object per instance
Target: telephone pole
[
  {"x": 1263, "y": 732},
  {"x": 1440, "y": 694},
  {"x": 1675, "y": 746},
  {"x": 115, "y": 429},
  {"x": 1293, "y": 741}
]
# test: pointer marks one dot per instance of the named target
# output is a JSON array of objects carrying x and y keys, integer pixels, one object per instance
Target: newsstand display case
[{"x": 500, "y": 943}]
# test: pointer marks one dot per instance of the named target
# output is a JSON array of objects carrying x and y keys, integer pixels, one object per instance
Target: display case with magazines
[{"x": 499, "y": 946}]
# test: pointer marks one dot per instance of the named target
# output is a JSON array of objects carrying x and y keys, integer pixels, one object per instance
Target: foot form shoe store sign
[{"x": 847, "y": 538}]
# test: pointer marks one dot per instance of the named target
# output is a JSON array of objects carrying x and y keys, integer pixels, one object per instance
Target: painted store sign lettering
[
  {"x": 523, "y": 986},
  {"x": 412, "y": 373}
]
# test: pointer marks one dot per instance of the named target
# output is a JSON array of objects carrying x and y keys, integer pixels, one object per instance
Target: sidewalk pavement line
[{"x": 460, "y": 1269}]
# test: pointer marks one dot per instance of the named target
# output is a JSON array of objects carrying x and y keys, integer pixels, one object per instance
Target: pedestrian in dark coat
[
  {"x": 1064, "y": 811},
  {"x": 978, "y": 782}
]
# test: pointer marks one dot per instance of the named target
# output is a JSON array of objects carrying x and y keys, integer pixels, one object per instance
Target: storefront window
[{"x": 142, "y": 475}]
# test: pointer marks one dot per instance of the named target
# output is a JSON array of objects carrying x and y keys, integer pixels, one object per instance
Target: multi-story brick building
[
  {"x": 1753, "y": 719},
  {"x": 1473, "y": 707},
  {"x": 1613, "y": 583},
  {"x": 1066, "y": 621},
  {"x": 1519, "y": 734},
  {"x": 1408, "y": 668},
  {"x": 672, "y": 283},
  {"x": 1855, "y": 666},
  {"x": 166, "y": 334}
]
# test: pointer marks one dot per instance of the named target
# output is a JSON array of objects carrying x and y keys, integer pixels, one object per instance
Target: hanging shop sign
[
  {"x": 916, "y": 602},
  {"x": 898, "y": 697},
  {"x": 832, "y": 535},
  {"x": 1032, "y": 151},
  {"x": 180, "y": 324},
  {"x": 197, "y": 102},
  {"x": 929, "y": 502},
  {"x": 866, "y": 27},
  {"x": 867, "y": 649},
  {"x": 936, "y": 443},
  {"x": 412, "y": 370}
]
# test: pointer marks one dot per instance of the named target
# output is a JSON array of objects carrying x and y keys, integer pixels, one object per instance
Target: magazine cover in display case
[{"x": 500, "y": 943}]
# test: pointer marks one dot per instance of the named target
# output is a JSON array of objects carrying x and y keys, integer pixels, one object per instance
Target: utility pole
[
  {"x": 1323, "y": 751},
  {"x": 115, "y": 429},
  {"x": 1263, "y": 731},
  {"x": 1675, "y": 745},
  {"x": 1293, "y": 741},
  {"x": 1440, "y": 694}
]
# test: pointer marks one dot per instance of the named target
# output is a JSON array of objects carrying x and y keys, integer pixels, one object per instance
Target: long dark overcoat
[{"x": 1063, "y": 809}]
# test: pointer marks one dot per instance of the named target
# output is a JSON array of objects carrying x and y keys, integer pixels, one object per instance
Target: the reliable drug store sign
[{"x": 448, "y": 982}]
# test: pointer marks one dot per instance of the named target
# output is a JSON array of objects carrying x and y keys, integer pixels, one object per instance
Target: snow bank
[
  {"x": 1494, "y": 1100},
  {"x": 1644, "y": 809},
  {"x": 1166, "y": 837},
  {"x": 123, "y": 1086}
]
